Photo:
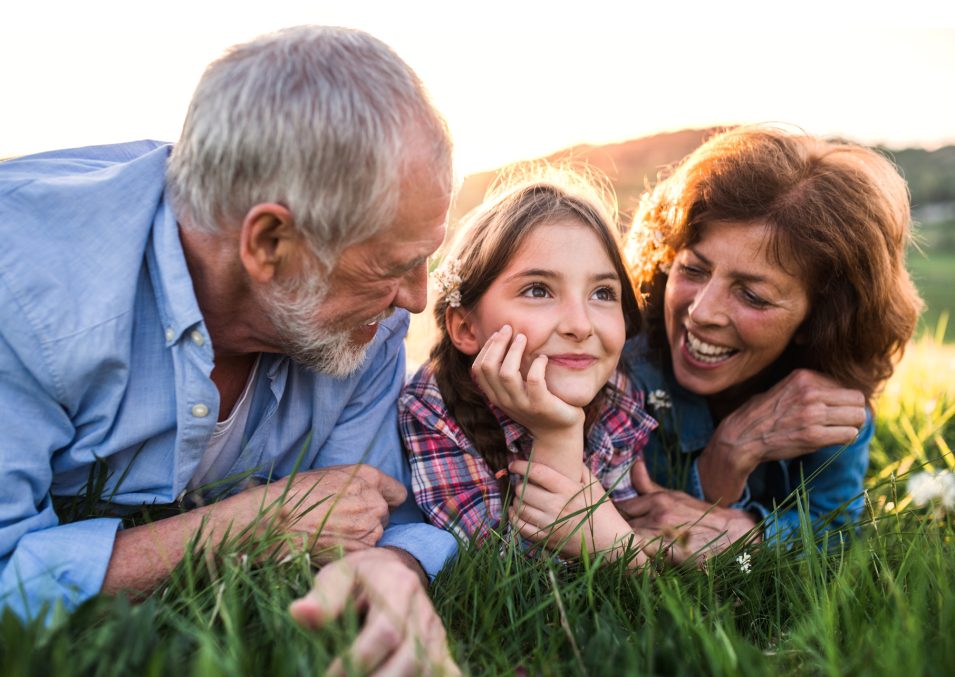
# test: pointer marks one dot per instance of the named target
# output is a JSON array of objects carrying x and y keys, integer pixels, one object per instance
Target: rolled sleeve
[
  {"x": 63, "y": 564},
  {"x": 41, "y": 561}
]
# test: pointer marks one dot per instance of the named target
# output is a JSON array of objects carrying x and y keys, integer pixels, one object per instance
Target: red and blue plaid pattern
[{"x": 455, "y": 487}]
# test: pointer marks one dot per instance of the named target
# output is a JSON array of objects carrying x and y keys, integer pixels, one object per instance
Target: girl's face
[
  {"x": 729, "y": 310},
  {"x": 562, "y": 292}
]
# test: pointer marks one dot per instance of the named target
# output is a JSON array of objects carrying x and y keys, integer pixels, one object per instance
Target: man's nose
[{"x": 412, "y": 292}]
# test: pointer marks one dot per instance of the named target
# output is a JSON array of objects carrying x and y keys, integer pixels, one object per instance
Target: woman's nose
[{"x": 708, "y": 306}]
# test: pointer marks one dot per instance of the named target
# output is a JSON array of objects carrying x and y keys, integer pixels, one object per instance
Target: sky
[{"x": 515, "y": 79}]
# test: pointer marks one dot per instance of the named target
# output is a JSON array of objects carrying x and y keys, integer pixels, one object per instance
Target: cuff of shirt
[
  {"x": 65, "y": 563},
  {"x": 778, "y": 527},
  {"x": 694, "y": 486},
  {"x": 745, "y": 502},
  {"x": 431, "y": 546}
]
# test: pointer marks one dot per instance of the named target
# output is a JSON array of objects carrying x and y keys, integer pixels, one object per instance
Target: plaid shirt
[{"x": 453, "y": 484}]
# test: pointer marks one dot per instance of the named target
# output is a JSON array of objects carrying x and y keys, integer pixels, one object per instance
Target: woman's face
[{"x": 730, "y": 311}]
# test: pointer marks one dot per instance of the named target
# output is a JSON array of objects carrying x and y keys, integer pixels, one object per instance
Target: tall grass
[{"x": 881, "y": 602}]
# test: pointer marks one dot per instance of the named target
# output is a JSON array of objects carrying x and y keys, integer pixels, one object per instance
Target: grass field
[
  {"x": 882, "y": 603},
  {"x": 934, "y": 274}
]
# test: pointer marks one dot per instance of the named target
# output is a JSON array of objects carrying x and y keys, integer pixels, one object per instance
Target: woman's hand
[
  {"x": 688, "y": 529},
  {"x": 803, "y": 412},
  {"x": 569, "y": 515},
  {"x": 557, "y": 427}
]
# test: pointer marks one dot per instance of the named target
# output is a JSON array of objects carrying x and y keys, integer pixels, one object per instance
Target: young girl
[{"x": 534, "y": 305}]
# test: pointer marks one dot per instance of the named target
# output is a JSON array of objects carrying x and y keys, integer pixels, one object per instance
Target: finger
[
  {"x": 641, "y": 480},
  {"x": 845, "y": 416},
  {"x": 544, "y": 476},
  {"x": 537, "y": 390},
  {"x": 393, "y": 491},
  {"x": 327, "y": 599},
  {"x": 510, "y": 371},
  {"x": 639, "y": 508},
  {"x": 380, "y": 637},
  {"x": 531, "y": 515},
  {"x": 406, "y": 661},
  {"x": 487, "y": 365},
  {"x": 830, "y": 436}
]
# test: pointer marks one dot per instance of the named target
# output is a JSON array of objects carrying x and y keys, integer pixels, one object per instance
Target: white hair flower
[
  {"x": 743, "y": 561},
  {"x": 446, "y": 281}
]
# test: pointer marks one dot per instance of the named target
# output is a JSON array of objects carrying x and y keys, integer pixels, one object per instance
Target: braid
[{"x": 466, "y": 404}]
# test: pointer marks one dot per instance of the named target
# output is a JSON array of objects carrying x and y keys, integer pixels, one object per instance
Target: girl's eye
[
  {"x": 606, "y": 294},
  {"x": 535, "y": 291}
]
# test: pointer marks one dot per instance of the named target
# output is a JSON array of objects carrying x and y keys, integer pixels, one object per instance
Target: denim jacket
[{"x": 832, "y": 476}]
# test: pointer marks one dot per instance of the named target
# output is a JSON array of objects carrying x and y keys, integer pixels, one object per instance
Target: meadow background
[{"x": 880, "y": 603}]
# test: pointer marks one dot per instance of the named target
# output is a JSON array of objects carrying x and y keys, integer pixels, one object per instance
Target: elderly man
[{"x": 215, "y": 316}]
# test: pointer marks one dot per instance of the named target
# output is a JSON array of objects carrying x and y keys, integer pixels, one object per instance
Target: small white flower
[
  {"x": 446, "y": 281},
  {"x": 743, "y": 561},
  {"x": 937, "y": 488},
  {"x": 659, "y": 399}
]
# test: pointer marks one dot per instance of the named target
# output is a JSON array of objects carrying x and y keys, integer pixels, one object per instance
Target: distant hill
[{"x": 633, "y": 165}]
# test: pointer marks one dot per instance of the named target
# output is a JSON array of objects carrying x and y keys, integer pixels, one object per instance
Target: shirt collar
[{"x": 172, "y": 284}]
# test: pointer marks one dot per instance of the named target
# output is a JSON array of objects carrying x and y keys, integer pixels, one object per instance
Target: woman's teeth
[{"x": 706, "y": 352}]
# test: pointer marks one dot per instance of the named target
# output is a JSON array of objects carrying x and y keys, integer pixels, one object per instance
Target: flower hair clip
[{"x": 447, "y": 281}]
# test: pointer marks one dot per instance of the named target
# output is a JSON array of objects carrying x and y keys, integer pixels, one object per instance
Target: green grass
[
  {"x": 934, "y": 274},
  {"x": 880, "y": 603}
]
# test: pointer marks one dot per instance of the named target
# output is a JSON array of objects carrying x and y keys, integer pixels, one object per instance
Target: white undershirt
[{"x": 225, "y": 445}]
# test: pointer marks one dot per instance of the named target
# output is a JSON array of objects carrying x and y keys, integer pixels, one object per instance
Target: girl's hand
[
  {"x": 557, "y": 427},
  {"x": 497, "y": 369},
  {"x": 568, "y": 515},
  {"x": 803, "y": 412}
]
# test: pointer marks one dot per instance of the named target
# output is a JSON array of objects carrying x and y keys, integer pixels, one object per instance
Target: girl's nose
[{"x": 575, "y": 321}]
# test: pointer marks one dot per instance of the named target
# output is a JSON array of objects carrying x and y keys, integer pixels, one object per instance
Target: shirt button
[
  {"x": 197, "y": 337},
  {"x": 200, "y": 410},
  {"x": 170, "y": 334}
]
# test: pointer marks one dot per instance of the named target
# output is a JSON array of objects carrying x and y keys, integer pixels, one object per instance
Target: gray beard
[{"x": 292, "y": 311}]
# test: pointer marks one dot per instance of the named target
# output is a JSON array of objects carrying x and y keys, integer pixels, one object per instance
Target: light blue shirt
[{"x": 104, "y": 355}]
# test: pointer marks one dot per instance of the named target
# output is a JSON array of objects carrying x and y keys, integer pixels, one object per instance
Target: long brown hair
[
  {"x": 839, "y": 217},
  {"x": 523, "y": 199}
]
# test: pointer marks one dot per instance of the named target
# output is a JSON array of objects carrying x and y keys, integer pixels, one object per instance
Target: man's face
[{"x": 328, "y": 323}]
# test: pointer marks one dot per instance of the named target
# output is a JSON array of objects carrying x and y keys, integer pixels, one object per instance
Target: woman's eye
[
  {"x": 606, "y": 294},
  {"x": 535, "y": 291},
  {"x": 753, "y": 299},
  {"x": 692, "y": 272}
]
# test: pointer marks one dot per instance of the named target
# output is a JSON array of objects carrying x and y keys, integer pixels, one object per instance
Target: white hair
[{"x": 318, "y": 119}]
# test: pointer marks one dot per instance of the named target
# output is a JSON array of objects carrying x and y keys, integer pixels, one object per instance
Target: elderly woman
[{"x": 777, "y": 304}]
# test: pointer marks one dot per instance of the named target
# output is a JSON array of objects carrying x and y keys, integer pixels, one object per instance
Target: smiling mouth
[
  {"x": 572, "y": 361},
  {"x": 709, "y": 353}
]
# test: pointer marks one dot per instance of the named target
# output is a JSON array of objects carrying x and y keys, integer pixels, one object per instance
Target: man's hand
[
  {"x": 689, "y": 529},
  {"x": 803, "y": 412},
  {"x": 559, "y": 512},
  {"x": 402, "y": 634},
  {"x": 341, "y": 507},
  {"x": 347, "y": 504}
]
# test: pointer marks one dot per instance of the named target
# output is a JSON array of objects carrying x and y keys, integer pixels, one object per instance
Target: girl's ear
[{"x": 461, "y": 331}]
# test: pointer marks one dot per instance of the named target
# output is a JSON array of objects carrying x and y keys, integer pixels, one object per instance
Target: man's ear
[
  {"x": 268, "y": 240},
  {"x": 461, "y": 330}
]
